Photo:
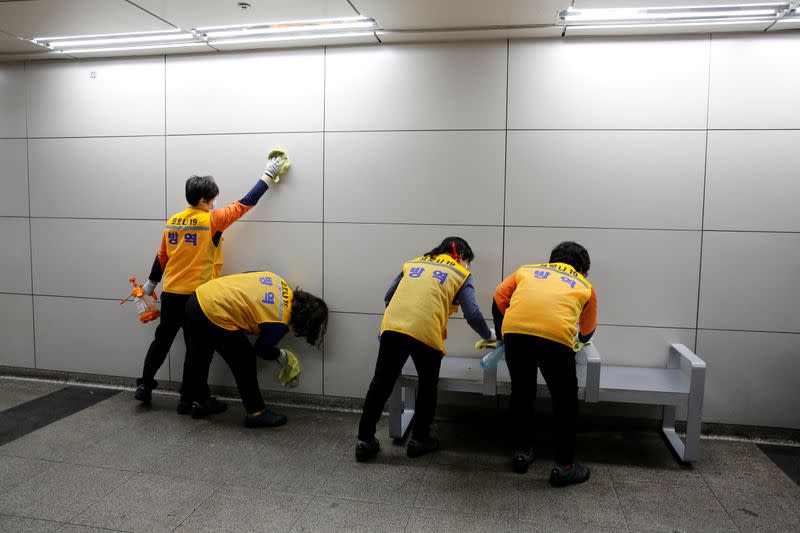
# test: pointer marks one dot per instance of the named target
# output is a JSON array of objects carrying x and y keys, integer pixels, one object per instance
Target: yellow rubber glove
[
  {"x": 578, "y": 346},
  {"x": 484, "y": 344},
  {"x": 285, "y": 163},
  {"x": 289, "y": 376}
]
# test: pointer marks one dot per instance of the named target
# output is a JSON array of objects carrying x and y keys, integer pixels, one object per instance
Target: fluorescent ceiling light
[
  {"x": 270, "y": 30},
  {"x": 307, "y": 22},
  {"x": 673, "y": 16},
  {"x": 100, "y": 35},
  {"x": 126, "y": 48},
  {"x": 123, "y": 40},
  {"x": 246, "y": 40}
]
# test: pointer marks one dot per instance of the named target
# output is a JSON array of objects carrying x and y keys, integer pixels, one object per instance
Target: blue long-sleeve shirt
[
  {"x": 270, "y": 333},
  {"x": 464, "y": 297}
]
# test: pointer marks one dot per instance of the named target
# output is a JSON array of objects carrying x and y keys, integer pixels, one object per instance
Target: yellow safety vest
[
  {"x": 190, "y": 251},
  {"x": 424, "y": 298},
  {"x": 243, "y": 301},
  {"x": 547, "y": 302}
]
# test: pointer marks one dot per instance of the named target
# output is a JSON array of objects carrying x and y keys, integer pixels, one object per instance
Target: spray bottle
[
  {"x": 145, "y": 305},
  {"x": 491, "y": 358}
]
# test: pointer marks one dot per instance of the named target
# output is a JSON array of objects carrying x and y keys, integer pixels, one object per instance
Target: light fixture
[
  {"x": 290, "y": 30},
  {"x": 231, "y": 34},
  {"x": 659, "y": 17}
]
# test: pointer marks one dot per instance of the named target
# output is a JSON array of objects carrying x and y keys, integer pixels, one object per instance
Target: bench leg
[
  {"x": 688, "y": 449},
  {"x": 401, "y": 412},
  {"x": 668, "y": 428}
]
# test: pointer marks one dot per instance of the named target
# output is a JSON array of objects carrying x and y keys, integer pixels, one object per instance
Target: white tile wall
[
  {"x": 112, "y": 177},
  {"x": 14, "y": 177},
  {"x": 616, "y": 179},
  {"x": 361, "y": 260},
  {"x": 291, "y": 250},
  {"x": 749, "y": 281},
  {"x": 747, "y": 184},
  {"x": 92, "y": 258},
  {"x": 12, "y": 100},
  {"x": 637, "y": 83},
  {"x": 749, "y": 72},
  {"x": 91, "y": 336},
  {"x": 638, "y": 109},
  {"x": 237, "y": 161},
  {"x": 246, "y": 93},
  {"x": 16, "y": 330},
  {"x": 751, "y": 378},
  {"x": 415, "y": 177},
  {"x": 126, "y": 97},
  {"x": 416, "y": 87},
  {"x": 15, "y": 261},
  {"x": 642, "y": 278}
]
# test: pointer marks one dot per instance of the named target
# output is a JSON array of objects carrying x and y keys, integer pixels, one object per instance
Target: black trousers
[
  {"x": 392, "y": 355},
  {"x": 524, "y": 354},
  {"x": 172, "y": 310},
  {"x": 203, "y": 338}
]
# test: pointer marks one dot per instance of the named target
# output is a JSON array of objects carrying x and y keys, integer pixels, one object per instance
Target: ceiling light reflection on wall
[{"x": 673, "y": 16}]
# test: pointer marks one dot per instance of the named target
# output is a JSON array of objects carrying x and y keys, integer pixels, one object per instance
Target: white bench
[{"x": 680, "y": 384}]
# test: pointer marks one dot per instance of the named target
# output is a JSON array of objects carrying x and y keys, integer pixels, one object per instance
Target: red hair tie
[{"x": 455, "y": 253}]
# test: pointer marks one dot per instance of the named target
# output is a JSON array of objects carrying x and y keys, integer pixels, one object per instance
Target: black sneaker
[
  {"x": 521, "y": 460},
  {"x": 418, "y": 448},
  {"x": 267, "y": 419},
  {"x": 184, "y": 407},
  {"x": 211, "y": 406},
  {"x": 144, "y": 394},
  {"x": 366, "y": 450},
  {"x": 562, "y": 476}
]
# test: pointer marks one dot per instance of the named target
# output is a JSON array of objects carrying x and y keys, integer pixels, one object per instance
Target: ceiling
[{"x": 399, "y": 20}]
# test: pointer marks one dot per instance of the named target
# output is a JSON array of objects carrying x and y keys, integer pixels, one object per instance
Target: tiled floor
[{"x": 116, "y": 466}]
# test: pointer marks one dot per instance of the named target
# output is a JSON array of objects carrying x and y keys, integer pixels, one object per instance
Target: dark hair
[
  {"x": 309, "y": 317},
  {"x": 462, "y": 249},
  {"x": 200, "y": 188},
  {"x": 572, "y": 254}
]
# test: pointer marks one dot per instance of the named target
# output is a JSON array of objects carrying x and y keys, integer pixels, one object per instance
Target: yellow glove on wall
[
  {"x": 484, "y": 344},
  {"x": 289, "y": 376}
]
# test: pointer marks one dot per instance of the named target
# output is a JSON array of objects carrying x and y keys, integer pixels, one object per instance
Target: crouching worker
[
  {"x": 421, "y": 298},
  {"x": 218, "y": 317},
  {"x": 537, "y": 309}
]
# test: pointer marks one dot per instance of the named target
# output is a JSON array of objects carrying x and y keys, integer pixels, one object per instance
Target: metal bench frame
[{"x": 681, "y": 383}]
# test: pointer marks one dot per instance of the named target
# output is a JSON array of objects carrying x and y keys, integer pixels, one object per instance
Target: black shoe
[
  {"x": 184, "y": 407},
  {"x": 144, "y": 394},
  {"x": 562, "y": 476},
  {"x": 418, "y": 448},
  {"x": 211, "y": 406},
  {"x": 267, "y": 419},
  {"x": 521, "y": 460},
  {"x": 366, "y": 450}
]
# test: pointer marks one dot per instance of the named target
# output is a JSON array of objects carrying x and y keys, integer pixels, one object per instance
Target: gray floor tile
[
  {"x": 61, "y": 492},
  {"x": 16, "y": 470},
  {"x": 26, "y": 525},
  {"x": 65, "y": 437},
  {"x": 282, "y": 468},
  {"x": 14, "y": 392},
  {"x": 470, "y": 490},
  {"x": 75, "y": 528},
  {"x": 147, "y": 503},
  {"x": 727, "y": 464},
  {"x": 206, "y": 455},
  {"x": 672, "y": 474},
  {"x": 238, "y": 509},
  {"x": 669, "y": 507},
  {"x": 328, "y": 515},
  {"x": 592, "y": 503},
  {"x": 132, "y": 448},
  {"x": 754, "y": 510},
  {"x": 433, "y": 521},
  {"x": 564, "y": 527},
  {"x": 392, "y": 484}
]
